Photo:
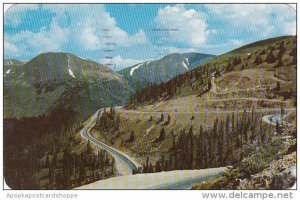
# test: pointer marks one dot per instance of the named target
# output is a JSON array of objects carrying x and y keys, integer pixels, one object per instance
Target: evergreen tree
[
  {"x": 169, "y": 119},
  {"x": 150, "y": 169},
  {"x": 282, "y": 112},
  {"x": 132, "y": 137},
  {"x": 157, "y": 166},
  {"x": 270, "y": 57},
  {"x": 191, "y": 148},
  {"x": 258, "y": 60},
  {"x": 162, "y": 134},
  {"x": 89, "y": 149},
  {"x": 112, "y": 165},
  {"x": 277, "y": 86},
  {"x": 279, "y": 62},
  {"x": 162, "y": 117},
  {"x": 147, "y": 165}
]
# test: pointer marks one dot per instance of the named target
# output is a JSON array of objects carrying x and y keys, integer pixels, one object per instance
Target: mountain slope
[
  {"x": 260, "y": 44},
  {"x": 277, "y": 56},
  {"x": 54, "y": 81},
  {"x": 245, "y": 99},
  {"x": 164, "y": 69},
  {"x": 10, "y": 66},
  {"x": 45, "y": 102}
]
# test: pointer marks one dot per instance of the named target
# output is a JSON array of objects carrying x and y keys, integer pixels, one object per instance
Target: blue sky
[{"x": 126, "y": 34}]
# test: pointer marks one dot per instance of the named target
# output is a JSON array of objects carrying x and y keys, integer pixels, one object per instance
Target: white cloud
[
  {"x": 119, "y": 62},
  {"x": 49, "y": 40},
  {"x": 11, "y": 48},
  {"x": 42, "y": 41},
  {"x": 260, "y": 19},
  {"x": 190, "y": 24},
  {"x": 172, "y": 49},
  {"x": 81, "y": 26},
  {"x": 91, "y": 23},
  {"x": 236, "y": 42},
  {"x": 290, "y": 28},
  {"x": 15, "y": 14},
  {"x": 87, "y": 39}
]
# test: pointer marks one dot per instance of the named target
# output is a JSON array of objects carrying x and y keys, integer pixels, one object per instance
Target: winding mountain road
[
  {"x": 204, "y": 112},
  {"x": 124, "y": 163},
  {"x": 273, "y": 119},
  {"x": 182, "y": 179}
]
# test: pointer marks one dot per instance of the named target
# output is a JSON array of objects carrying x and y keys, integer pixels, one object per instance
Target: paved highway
[{"x": 124, "y": 163}]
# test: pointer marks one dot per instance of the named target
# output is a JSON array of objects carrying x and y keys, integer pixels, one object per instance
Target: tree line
[
  {"x": 74, "y": 169},
  {"x": 108, "y": 120},
  {"x": 49, "y": 156},
  {"x": 202, "y": 74},
  {"x": 173, "y": 87},
  {"x": 227, "y": 142}
]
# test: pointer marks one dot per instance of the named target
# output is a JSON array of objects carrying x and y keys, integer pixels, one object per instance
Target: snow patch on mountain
[
  {"x": 8, "y": 62},
  {"x": 8, "y": 71},
  {"x": 187, "y": 61},
  {"x": 71, "y": 73},
  {"x": 82, "y": 58},
  {"x": 184, "y": 65},
  {"x": 134, "y": 68}
]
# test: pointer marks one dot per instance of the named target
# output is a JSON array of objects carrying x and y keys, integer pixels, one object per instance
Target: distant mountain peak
[
  {"x": 163, "y": 69},
  {"x": 58, "y": 80}
]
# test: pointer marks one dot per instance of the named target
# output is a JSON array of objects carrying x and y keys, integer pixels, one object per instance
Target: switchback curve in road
[{"x": 124, "y": 163}]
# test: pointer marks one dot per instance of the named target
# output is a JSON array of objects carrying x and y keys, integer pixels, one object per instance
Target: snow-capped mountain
[
  {"x": 163, "y": 69},
  {"x": 54, "y": 81}
]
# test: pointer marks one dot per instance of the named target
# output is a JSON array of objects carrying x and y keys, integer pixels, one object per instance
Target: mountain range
[
  {"x": 51, "y": 97},
  {"x": 163, "y": 69},
  {"x": 61, "y": 81},
  {"x": 52, "y": 82}
]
